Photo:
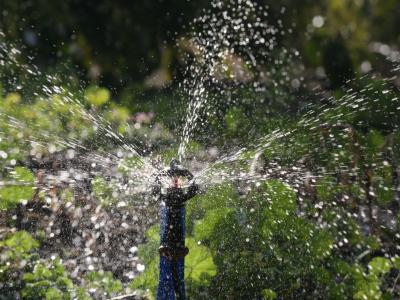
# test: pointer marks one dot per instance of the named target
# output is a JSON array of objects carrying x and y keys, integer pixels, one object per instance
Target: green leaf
[
  {"x": 280, "y": 197},
  {"x": 326, "y": 188},
  {"x": 54, "y": 294},
  {"x": 321, "y": 244},
  {"x": 396, "y": 262},
  {"x": 198, "y": 262},
  {"x": 204, "y": 227},
  {"x": 103, "y": 191},
  {"x": 153, "y": 233},
  {"x": 233, "y": 119},
  {"x": 223, "y": 195},
  {"x": 104, "y": 281},
  {"x": 368, "y": 290},
  {"x": 97, "y": 95},
  {"x": 81, "y": 294},
  {"x": 268, "y": 294},
  {"x": 379, "y": 266},
  {"x": 21, "y": 241},
  {"x": 149, "y": 278},
  {"x": 118, "y": 114},
  {"x": 22, "y": 188}
]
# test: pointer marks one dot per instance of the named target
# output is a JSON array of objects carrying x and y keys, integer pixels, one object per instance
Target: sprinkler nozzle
[
  {"x": 175, "y": 164},
  {"x": 177, "y": 170}
]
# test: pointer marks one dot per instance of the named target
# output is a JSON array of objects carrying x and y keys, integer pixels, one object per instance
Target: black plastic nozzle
[{"x": 176, "y": 169}]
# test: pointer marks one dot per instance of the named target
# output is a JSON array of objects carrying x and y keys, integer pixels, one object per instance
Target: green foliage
[
  {"x": 148, "y": 280},
  {"x": 25, "y": 274},
  {"x": 268, "y": 294},
  {"x": 97, "y": 96},
  {"x": 249, "y": 250},
  {"x": 103, "y": 191},
  {"x": 47, "y": 281},
  {"x": 383, "y": 183},
  {"x": 117, "y": 114},
  {"x": 233, "y": 119},
  {"x": 104, "y": 281},
  {"x": 273, "y": 242},
  {"x": 50, "y": 280},
  {"x": 21, "y": 188},
  {"x": 21, "y": 242},
  {"x": 326, "y": 188},
  {"x": 192, "y": 148},
  {"x": 148, "y": 252},
  {"x": 243, "y": 260},
  {"x": 169, "y": 154},
  {"x": 67, "y": 195},
  {"x": 205, "y": 226},
  {"x": 15, "y": 255},
  {"x": 274, "y": 239},
  {"x": 16, "y": 252},
  {"x": 368, "y": 285},
  {"x": 199, "y": 265}
]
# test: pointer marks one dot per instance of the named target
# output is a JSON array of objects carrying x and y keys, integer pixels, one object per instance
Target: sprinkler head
[
  {"x": 177, "y": 170},
  {"x": 175, "y": 164}
]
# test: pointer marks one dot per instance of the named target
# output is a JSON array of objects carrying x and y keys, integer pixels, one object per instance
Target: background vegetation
[{"x": 333, "y": 236}]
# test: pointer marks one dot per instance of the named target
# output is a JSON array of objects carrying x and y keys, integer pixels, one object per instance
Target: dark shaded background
[{"x": 119, "y": 43}]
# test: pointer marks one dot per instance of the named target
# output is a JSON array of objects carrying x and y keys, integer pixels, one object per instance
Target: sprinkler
[{"x": 179, "y": 189}]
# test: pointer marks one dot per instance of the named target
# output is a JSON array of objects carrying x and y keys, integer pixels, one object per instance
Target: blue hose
[{"x": 171, "y": 285}]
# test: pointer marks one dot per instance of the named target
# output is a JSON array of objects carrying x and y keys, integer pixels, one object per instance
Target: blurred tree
[
  {"x": 112, "y": 41},
  {"x": 337, "y": 63},
  {"x": 119, "y": 43}
]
